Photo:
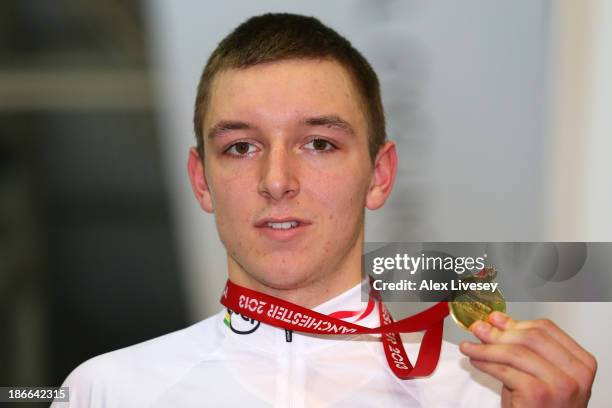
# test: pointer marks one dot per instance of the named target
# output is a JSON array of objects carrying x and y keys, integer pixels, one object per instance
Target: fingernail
[
  {"x": 482, "y": 327},
  {"x": 499, "y": 317}
]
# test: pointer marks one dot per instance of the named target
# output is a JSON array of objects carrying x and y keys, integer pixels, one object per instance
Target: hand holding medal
[
  {"x": 538, "y": 363},
  {"x": 468, "y": 306}
]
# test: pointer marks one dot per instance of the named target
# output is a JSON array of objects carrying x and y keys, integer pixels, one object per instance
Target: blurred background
[{"x": 498, "y": 110}]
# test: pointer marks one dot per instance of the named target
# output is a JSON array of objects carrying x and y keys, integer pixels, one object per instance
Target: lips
[
  {"x": 282, "y": 229},
  {"x": 286, "y": 221}
]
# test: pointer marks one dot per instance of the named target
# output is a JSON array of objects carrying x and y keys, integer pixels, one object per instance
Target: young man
[{"x": 291, "y": 149}]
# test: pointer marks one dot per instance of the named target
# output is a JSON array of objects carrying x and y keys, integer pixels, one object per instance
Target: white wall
[{"x": 579, "y": 193}]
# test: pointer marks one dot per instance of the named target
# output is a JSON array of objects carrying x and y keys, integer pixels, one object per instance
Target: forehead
[{"x": 285, "y": 91}]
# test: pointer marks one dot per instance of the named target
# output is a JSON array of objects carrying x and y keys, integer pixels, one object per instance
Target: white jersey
[{"x": 231, "y": 361}]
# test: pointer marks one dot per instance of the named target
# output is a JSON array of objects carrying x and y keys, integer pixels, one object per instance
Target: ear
[
  {"x": 385, "y": 170},
  {"x": 195, "y": 167}
]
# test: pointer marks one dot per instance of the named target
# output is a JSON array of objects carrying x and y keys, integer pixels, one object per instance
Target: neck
[{"x": 314, "y": 290}]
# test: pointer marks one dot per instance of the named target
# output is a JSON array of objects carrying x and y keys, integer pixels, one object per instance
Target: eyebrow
[
  {"x": 330, "y": 121},
  {"x": 225, "y": 126}
]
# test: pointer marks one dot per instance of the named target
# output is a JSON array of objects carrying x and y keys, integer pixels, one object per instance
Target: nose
[{"x": 279, "y": 175}]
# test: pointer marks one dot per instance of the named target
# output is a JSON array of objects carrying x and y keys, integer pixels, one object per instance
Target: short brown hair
[{"x": 281, "y": 36}]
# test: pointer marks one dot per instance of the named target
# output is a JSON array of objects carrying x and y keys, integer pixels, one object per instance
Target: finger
[
  {"x": 512, "y": 378},
  {"x": 503, "y": 321},
  {"x": 521, "y": 389},
  {"x": 518, "y": 357},
  {"x": 540, "y": 341}
]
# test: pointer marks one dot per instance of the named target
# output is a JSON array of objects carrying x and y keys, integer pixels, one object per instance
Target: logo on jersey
[{"x": 240, "y": 324}]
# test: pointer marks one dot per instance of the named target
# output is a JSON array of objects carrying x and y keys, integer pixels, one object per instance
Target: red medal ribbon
[{"x": 280, "y": 313}]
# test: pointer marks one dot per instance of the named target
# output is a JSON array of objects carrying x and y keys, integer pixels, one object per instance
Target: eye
[
  {"x": 320, "y": 145},
  {"x": 241, "y": 149}
]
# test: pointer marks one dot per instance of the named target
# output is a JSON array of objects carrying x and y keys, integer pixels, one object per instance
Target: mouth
[
  {"x": 283, "y": 225},
  {"x": 282, "y": 229}
]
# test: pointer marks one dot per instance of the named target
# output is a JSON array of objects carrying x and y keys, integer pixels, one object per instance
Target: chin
[{"x": 285, "y": 278}]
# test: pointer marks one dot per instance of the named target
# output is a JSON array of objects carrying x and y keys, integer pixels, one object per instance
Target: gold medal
[{"x": 469, "y": 305}]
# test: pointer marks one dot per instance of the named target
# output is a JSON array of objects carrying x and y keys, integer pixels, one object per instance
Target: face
[{"x": 287, "y": 171}]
